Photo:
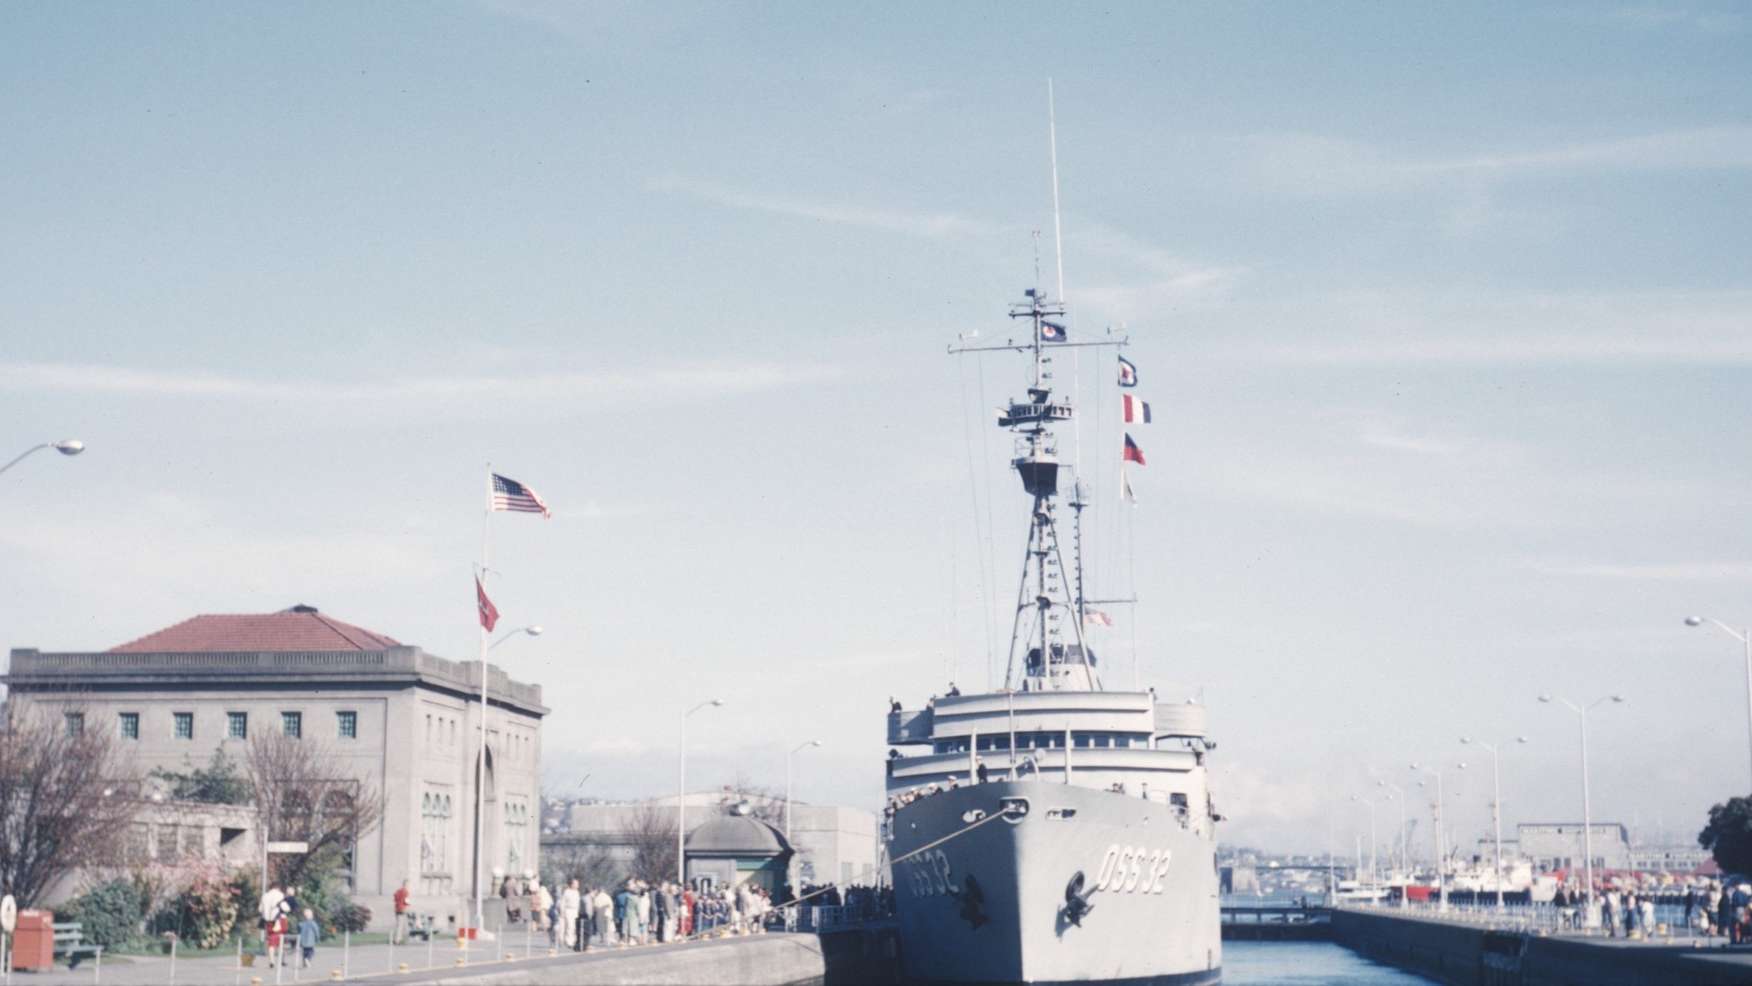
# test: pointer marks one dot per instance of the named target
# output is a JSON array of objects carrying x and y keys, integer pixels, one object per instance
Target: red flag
[
  {"x": 1132, "y": 452},
  {"x": 489, "y": 612}
]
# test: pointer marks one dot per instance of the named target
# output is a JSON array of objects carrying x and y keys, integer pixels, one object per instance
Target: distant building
[
  {"x": 1559, "y": 845},
  {"x": 833, "y": 843},
  {"x": 398, "y": 719},
  {"x": 1668, "y": 859},
  {"x": 732, "y": 848}
]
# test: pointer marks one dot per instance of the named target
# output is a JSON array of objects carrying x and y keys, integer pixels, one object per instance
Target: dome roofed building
[{"x": 735, "y": 847}]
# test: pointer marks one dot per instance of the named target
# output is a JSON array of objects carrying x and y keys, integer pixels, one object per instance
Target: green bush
[
  {"x": 110, "y": 914},
  {"x": 334, "y": 907}
]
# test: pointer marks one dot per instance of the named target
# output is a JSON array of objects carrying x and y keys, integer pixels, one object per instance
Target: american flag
[{"x": 509, "y": 494}]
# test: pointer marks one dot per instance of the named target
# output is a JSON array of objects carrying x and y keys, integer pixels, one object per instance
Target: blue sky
[{"x": 1444, "y": 312}]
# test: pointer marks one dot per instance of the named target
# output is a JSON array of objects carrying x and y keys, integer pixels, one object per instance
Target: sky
[{"x": 1444, "y": 313}]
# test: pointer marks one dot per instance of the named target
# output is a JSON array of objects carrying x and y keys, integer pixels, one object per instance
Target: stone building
[{"x": 396, "y": 719}]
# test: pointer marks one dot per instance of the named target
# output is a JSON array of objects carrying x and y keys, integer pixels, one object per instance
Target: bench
[{"x": 70, "y": 942}]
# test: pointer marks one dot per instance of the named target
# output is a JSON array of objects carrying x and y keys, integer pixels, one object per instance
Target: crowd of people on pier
[
  {"x": 634, "y": 912},
  {"x": 1629, "y": 909}
]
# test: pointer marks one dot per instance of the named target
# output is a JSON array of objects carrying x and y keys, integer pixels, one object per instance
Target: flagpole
[{"x": 481, "y": 764}]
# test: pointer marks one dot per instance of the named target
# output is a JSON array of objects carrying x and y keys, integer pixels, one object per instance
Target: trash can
[{"x": 33, "y": 940}]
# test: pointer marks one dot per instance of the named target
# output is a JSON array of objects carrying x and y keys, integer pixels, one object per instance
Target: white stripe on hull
[{"x": 1013, "y": 875}]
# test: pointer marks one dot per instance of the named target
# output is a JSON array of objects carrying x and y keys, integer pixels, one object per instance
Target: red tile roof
[{"x": 300, "y": 628}]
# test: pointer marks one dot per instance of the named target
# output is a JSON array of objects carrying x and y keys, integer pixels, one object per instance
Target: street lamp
[
  {"x": 69, "y": 446},
  {"x": 791, "y": 864},
  {"x": 1496, "y": 806},
  {"x": 480, "y": 781},
  {"x": 1374, "y": 868},
  {"x": 1745, "y": 639},
  {"x": 1441, "y": 846},
  {"x": 533, "y": 631},
  {"x": 1404, "y": 867},
  {"x": 681, "y": 797},
  {"x": 1587, "y": 814}
]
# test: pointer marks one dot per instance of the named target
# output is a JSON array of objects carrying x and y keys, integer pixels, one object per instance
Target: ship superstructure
[{"x": 1052, "y": 831}]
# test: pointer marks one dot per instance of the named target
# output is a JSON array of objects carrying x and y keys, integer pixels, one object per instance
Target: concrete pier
[{"x": 1470, "y": 955}]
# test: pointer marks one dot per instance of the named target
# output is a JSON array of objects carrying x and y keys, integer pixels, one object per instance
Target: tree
[
  {"x": 564, "y": 859},
  {"x": 1728, "y": 836},
  {"x": 64, "y": 801},
  {"x": 218, "y": 783},
  {"x": 652, "y": 834},
  {"x": 301, "y": 796},
  {"x": 764, "y": 803}
]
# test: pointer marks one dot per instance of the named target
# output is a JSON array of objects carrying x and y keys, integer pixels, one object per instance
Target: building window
[
  {"x": 185, "y": 725},
  {"x": 129, "y": 723},
  {"x": 75, "y": 723},
  {"x": 347, "y": 725},
  {"x": 292, "y": 724},
  {"x": 237, "y": 725}
]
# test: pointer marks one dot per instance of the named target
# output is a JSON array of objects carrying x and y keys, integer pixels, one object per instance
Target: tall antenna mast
[{"x": 1058, "y": 239}]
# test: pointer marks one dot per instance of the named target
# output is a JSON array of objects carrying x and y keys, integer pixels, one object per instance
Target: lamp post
[
  {"x": 1587, "y": 813},
  {"x": 1404, "y": 867},
  {"x": 533, "y": 631},
  {"x": 681, "y": 796},
  {"x": 1496, "y": 806},
  {"x": 69, "y": 446},
  {"x": 1441, "y": 846},
  {"x": 791, "y": 863},
  {"x": 481, "y": 779},
  {"x": 1745, "y": 639},
  {"x": 1374, "y": 868}
]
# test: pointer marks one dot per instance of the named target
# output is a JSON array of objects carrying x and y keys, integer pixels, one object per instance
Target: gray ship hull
[{"x": 988, "y": 905}]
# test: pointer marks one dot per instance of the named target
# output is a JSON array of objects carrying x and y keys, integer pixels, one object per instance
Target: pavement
[{"x": 357, "y": 962}]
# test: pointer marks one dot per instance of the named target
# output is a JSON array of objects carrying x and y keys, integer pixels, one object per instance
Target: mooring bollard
[
  {"x": 335, "y": 975},
  {"x": 402, "y": 968},
  {"x": 346, "y": 953},
  {"x": 428, "y": 948}
]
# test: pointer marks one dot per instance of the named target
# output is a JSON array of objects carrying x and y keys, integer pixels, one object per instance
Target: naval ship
[{"x": 1053, "y": 831}]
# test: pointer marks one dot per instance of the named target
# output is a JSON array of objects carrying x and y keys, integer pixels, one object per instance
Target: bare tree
[
  {"x": 66, "y": 797},
  {"x": 652, "y": 834},
  {"x": 301, "y": 796},
  {"x": 764, "y": 803},
  {"x": 565, "y": 859}
]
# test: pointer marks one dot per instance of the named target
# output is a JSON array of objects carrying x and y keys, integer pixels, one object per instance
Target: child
[
  {"x": 307, "y": 933},
  {"x": 276, "y": 935}
]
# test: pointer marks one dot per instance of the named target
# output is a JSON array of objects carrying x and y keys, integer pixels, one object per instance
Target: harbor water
[{"x": 1251, "y": 963}]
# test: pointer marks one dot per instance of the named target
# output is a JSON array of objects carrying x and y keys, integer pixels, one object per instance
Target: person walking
[
  {"x": 643, "y": 904},
  {"x": 276, "y": 938},
  {"x": 308, "y": 932},
  {"x": 401, "y": 900},
  {"x": 537, "y": 913},
  {"x": 268, "y": 910},
  {"x": 570, "y": 902},
  {"x": 545, "y": 906}
]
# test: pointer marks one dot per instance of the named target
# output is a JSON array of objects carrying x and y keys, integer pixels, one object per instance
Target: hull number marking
[
  {"x": 929, "y": 874},
  {"x": 1133, "y": 870}
]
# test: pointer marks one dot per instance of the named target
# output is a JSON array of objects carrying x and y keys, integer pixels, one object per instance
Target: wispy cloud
[
  {"x": 1648, "y": 17},
  {"x": 1708, "y": 571},
  {"x": 912, "y": 223},
  {"x": 1315, "y": 164},
  {"x": 682, "y": 382},
  {"x": 1382, "y": 328}
]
